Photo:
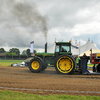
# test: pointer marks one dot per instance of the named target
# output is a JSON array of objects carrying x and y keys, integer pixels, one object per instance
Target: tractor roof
[{"x": 63, "y": 43}]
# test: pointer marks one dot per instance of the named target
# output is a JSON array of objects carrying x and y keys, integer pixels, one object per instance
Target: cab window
[
  {"x": 57, "y": 48},
  {"x": 65, "y": 48}
]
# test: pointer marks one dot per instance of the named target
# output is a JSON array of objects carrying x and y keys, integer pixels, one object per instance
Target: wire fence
[{"x": 14, "y": 57}]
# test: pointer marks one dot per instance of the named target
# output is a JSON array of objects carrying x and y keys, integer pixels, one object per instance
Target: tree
[
  {"x": 13, "y": 54},
  {"x": 2, "y": 50},
  {"x": 10, "y": 54},
  {"x": 7, "y": 54},
  {"x": 15, "y": 50},
  {"x": 34, "y": 51},
  {"x": 28, "y": 52},
  {"x": 24, "y": 53}
]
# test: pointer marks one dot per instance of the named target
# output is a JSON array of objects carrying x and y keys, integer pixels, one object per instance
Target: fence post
[
  {"x": 12, "y": 57},
  {"x": 5, "y": 56}
]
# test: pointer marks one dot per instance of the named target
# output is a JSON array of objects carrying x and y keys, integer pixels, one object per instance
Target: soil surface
[{"x": 48, "y": 82}]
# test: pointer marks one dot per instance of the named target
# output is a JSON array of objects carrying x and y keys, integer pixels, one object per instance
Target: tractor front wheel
[
  {"x": 65, "y": 64},
  {"x": 36, "y": 65}
]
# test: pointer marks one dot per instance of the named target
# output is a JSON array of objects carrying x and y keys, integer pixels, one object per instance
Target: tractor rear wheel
[
  {"x": 36, "y": 65},
  {"x": 65, "y": 64},
  {"x": 98, "y": 68}
]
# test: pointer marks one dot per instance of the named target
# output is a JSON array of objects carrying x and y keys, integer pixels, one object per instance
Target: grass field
[
  {"x": 10, "y": 95},
  {"x": 9, "y": 62}
]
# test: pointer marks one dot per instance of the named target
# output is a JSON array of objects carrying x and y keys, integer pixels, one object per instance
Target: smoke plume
[{"x": 22, "y": 22}]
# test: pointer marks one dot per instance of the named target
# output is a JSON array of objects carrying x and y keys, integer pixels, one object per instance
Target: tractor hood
[{"x": 44, "y": 54}]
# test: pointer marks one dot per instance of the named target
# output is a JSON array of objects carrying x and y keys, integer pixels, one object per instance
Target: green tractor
[{"x": 62, "y": 59}]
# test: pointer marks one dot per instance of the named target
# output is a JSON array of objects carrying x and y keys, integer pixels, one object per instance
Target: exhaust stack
[{"x": 46, "y": 48}]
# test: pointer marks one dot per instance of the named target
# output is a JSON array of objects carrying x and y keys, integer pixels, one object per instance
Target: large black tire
[
  {"x": 98, "y": 68},
  {"x": 65, "y": 64},
  {"x": 36, "y": 65}
]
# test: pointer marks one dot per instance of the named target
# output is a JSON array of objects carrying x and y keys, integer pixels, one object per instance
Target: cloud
[
  {"x": 21, "y": 22},
  {"x": 69, "y": 12}
]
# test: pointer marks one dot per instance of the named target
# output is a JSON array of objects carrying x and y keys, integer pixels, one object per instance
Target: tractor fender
[{"x": 36, "y": 58}]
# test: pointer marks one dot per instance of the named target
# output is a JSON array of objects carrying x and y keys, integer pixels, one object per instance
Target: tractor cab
[{"x": 63, "y": 48}]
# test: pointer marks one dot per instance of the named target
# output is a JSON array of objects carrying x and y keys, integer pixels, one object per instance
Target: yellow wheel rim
[
  {"x": 35, "y": 65},
  {"x": 65, "y": 64}
]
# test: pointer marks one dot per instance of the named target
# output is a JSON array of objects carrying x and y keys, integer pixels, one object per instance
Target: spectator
[
  {"x": 77, "y": 61},
  {"x": 85, "y": 57}
]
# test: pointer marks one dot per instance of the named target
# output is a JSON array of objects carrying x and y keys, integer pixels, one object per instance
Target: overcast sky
[{"x": 23, "y": 21}]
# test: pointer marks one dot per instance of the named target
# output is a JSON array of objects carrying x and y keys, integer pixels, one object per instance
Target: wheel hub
[{"x": 35, "y": 65}]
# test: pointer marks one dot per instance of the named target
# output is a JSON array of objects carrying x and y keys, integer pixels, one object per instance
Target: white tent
[
  {"x": 75, "y": 51},
  {"x": 51, "y": 49},
  {"x": 74, "y": 48},
  {"x": 82, "y": 49},
  {"x": 88, "y": 52},
  {"x": 89, "y": 45}
]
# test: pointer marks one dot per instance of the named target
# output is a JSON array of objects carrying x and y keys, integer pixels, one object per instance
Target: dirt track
[{"x": 46, "y": 82}]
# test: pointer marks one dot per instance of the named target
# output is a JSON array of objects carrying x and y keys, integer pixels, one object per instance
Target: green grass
[
  {"x": 9, "y": 62},
  {"x": 10, "y": 95},
  {"x": 91, "y": 65}
]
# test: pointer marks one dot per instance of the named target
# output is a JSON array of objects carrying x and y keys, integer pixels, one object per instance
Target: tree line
[{"x": 16, "y": 52}]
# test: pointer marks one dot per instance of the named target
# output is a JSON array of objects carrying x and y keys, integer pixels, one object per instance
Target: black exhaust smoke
[{"x": 46, "y": 48}]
